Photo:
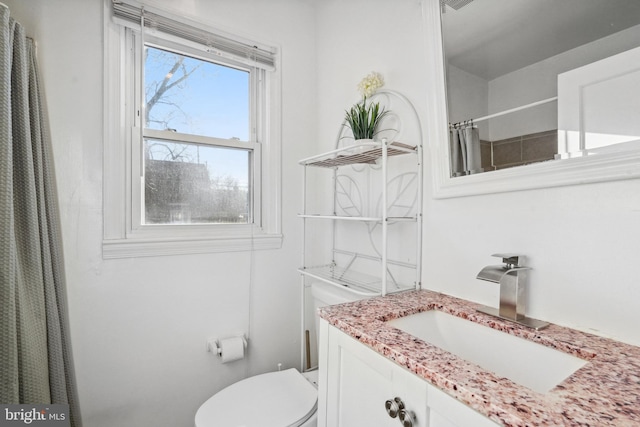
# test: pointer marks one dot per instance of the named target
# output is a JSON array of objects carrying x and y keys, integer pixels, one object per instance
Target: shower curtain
[
  {"x": 35, "y": 357},
  {"x": 464, "y": 149}
]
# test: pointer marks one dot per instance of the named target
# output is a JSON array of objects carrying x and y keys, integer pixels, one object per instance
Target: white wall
[
  {"x": 581, "y": 242},
  {"x": 468, "y": 97},
  {"x": 139, "y": 326},
  {"x": 356, "y": 37}
]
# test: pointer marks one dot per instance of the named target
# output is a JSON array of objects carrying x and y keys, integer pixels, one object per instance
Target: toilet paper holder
[{"x": 214, "y": 346}]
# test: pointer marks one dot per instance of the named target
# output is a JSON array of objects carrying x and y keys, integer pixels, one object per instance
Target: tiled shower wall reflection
[{"x": 520, "y": 150}]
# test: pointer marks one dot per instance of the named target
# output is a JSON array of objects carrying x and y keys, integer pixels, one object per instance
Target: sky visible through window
[{"x": 192, "y": 96}]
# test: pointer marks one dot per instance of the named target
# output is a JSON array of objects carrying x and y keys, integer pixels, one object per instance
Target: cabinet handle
[
  {"x": 394, "y": 406},
  {"x": 406, "y": 418}
]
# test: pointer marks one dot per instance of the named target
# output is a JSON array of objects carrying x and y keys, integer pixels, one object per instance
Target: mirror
[
  {"x": 534, "y": 87},
  {"x": 505, "y": 66}
]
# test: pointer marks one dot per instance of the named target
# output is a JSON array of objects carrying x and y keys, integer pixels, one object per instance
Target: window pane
[
  {"x": 193, "y": 96},
  {"x": 199, "y": 184}
]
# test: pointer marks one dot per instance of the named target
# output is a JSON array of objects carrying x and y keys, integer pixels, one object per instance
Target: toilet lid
[{"x": 275, "y": 399}]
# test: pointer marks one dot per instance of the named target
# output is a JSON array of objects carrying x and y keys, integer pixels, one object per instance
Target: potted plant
[{"x": 363, "y": 119}]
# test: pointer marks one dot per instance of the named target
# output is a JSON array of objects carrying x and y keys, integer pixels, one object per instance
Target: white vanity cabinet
[{"x": 356, "y": 382}]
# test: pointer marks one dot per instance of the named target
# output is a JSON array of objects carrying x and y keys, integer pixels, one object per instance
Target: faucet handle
[{"x": 510, "y": 260}]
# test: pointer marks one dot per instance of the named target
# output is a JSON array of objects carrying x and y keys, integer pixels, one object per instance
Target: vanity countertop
[{"x": 605, "y": 392}]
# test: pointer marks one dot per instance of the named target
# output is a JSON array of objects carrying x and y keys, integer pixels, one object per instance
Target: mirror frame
[{"x": 555, "y": 173}]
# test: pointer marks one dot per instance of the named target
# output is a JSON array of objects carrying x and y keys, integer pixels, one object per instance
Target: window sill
[{"x": 133, "y": 248}]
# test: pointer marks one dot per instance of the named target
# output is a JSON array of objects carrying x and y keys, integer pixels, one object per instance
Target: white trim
[
  {"x": 122, "y": 238},
  {"x": 198, "y": 139},
  {"x": 114, "y": 152},
  {"x": 555, "y": 173},
  {"x": 128, "y": 248}
]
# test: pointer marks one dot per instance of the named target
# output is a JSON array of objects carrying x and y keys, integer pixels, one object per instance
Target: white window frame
[{"x": 125, "y": 234}]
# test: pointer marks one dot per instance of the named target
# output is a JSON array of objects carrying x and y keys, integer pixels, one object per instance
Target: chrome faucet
[{"x": 512, "y": 277}]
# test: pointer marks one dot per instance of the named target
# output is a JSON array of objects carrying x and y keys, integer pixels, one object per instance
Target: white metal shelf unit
[
  {"x": 360, "y": 283},
  {"x": 374, "y": 154}
]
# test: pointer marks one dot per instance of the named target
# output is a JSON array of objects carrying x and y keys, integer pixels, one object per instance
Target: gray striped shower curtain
[{"x": 35, "y": 358}]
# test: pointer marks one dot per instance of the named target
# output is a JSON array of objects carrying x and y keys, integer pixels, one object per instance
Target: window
[
  {"x": 189, "y": 180},
  {"x": 189, "y": 164}
]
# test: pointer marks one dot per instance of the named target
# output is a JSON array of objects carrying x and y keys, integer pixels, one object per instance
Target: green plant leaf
[{"x": 364, "y": 119}]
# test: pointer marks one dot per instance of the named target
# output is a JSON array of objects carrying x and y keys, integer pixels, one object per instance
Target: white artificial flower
[{"x": 370, "y": 84}]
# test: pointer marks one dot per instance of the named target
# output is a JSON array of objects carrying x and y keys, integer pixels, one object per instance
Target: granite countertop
[{"x": 604, "y": 392}]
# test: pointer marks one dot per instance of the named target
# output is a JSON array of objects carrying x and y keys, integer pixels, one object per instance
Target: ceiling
[{"x": 490, "y": 38}]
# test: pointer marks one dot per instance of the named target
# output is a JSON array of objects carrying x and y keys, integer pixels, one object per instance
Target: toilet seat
[{"x": 276, "y": 399}]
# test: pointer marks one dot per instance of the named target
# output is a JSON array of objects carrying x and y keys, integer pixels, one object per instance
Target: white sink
[{"x": 524, "y": 362}]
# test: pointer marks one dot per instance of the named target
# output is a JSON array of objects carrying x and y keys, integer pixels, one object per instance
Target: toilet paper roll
[{"x": 231, "y": 349}]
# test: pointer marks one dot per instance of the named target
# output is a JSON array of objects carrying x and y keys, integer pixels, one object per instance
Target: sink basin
[{"x": 524, "y": 362}]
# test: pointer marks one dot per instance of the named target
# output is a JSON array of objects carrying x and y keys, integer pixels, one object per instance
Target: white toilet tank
[{"x": 324, "y": 294}]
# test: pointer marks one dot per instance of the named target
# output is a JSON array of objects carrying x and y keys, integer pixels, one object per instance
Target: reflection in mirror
[{"x": 537, "y": 80}]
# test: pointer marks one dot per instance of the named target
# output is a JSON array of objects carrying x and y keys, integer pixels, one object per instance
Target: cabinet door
[
  {"x": 356, "y": 382},
  {"x": 446, "y": 411}
]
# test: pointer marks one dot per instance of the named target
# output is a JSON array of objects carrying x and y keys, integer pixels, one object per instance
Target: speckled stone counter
[{"x": 605, "y": 392}]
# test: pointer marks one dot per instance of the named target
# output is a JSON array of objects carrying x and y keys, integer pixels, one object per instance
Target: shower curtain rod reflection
[
  {"x": 460, "y": 125},
  {"x": 502, "y": 113}
]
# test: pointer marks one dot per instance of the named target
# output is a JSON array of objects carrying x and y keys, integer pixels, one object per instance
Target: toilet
[{"x": 284, "y": 398}]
